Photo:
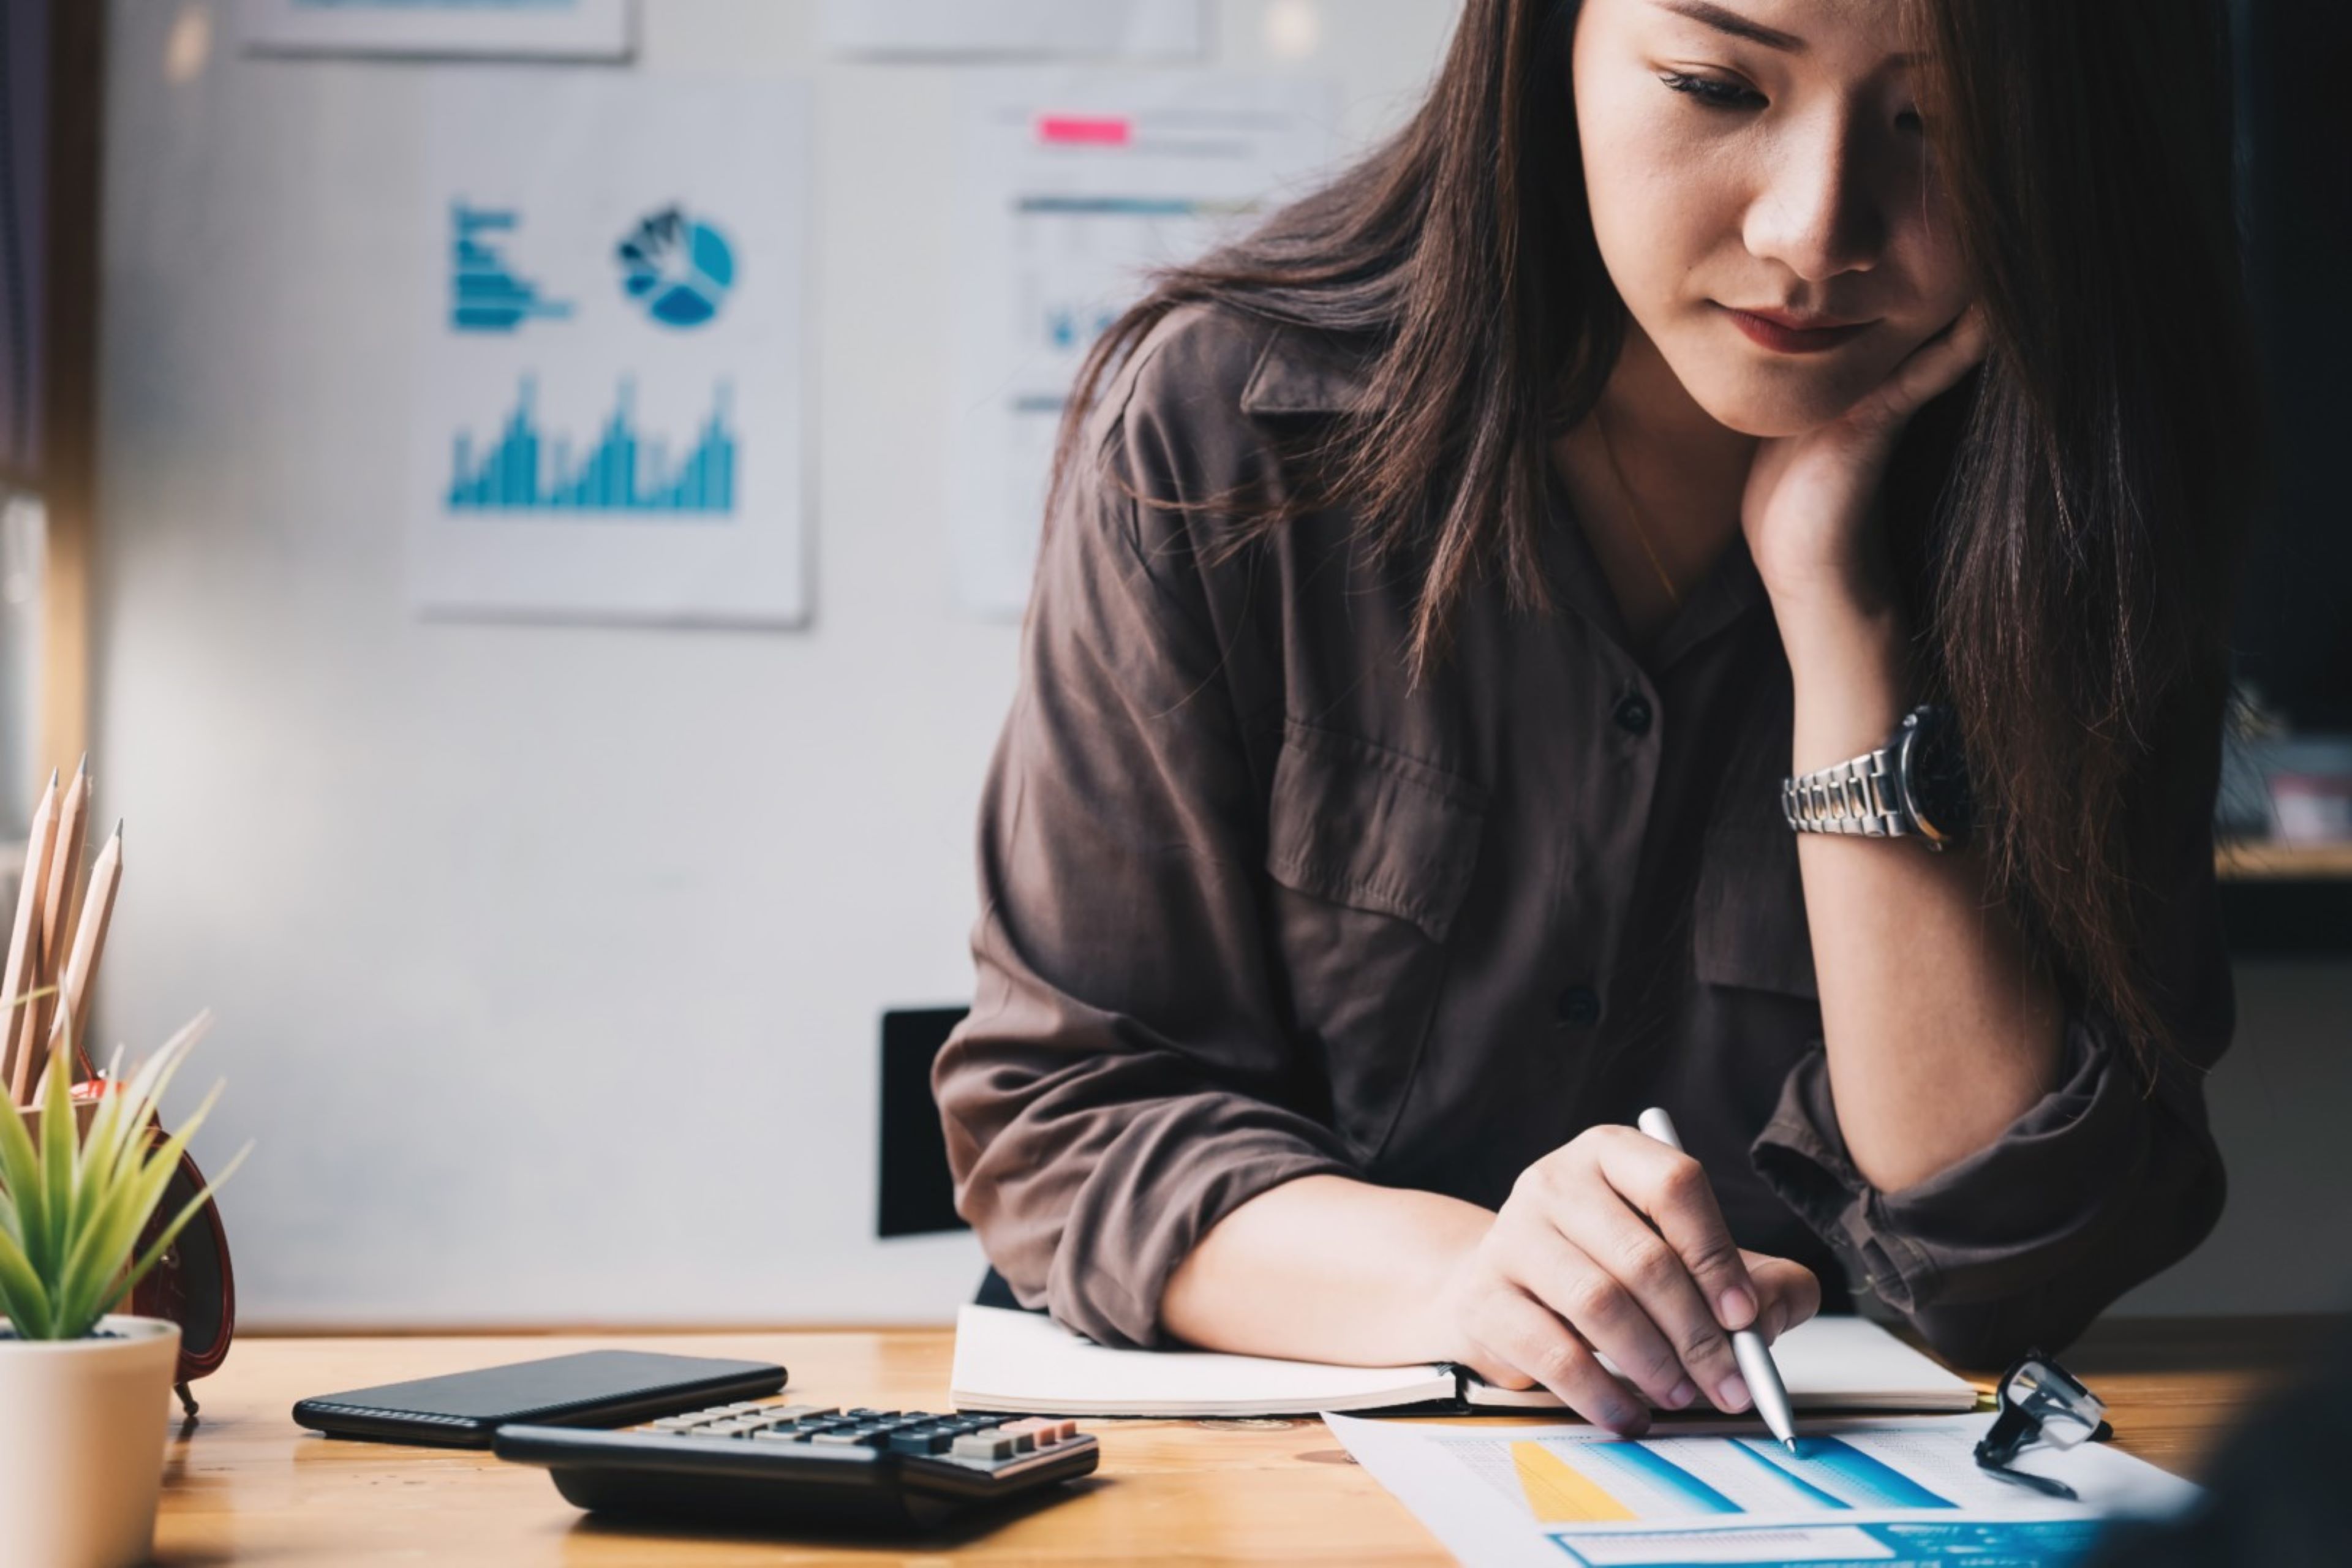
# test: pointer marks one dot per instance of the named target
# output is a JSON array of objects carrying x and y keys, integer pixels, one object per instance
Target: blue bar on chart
[
  {"x": 1841, "y": 1476},
  {"x": 1130, "y": 207},
  {"x": 485, "y": 294},
  {"x": 621, "y": 472},
  {"x": 1583, "y": 1481}
]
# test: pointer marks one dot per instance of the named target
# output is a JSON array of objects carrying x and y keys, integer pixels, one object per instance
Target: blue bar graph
[
  {"x": 1837, "y": 1475},
  {"x": 1634, "y": 1466},
  {"x": 1129, "y": 206},
  {"x": 484, "y": 296},
  {"x": 525, "y": 471}
]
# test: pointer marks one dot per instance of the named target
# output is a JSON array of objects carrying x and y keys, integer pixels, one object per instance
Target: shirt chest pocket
[
  {"x": 1747, "y": 914},
  {"x": 1371, "y": 854}
]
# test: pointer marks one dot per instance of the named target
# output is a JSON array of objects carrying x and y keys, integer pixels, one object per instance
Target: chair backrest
[{"x": 918, "y": 1197}]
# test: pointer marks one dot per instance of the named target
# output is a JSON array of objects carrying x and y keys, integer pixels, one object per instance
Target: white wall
[{"x": 549, "y": 961}]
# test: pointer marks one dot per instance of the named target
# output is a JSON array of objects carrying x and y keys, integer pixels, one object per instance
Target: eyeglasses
[{"x": 2041, "y": 1402}]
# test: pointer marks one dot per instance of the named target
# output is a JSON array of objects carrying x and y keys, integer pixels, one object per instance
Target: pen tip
[{"x": 1790, "y": 1444}]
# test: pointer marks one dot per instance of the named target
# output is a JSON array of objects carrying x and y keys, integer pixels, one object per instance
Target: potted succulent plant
[{"x": 84, "y": 1395}]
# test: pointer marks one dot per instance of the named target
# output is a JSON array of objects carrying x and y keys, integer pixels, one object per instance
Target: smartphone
[{"x": 593, "y": 1388}]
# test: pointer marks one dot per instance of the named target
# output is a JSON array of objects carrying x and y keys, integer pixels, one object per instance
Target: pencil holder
[{"x": 56, "y": 941}]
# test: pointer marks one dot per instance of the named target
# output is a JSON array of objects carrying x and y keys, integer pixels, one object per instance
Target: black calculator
[{"x": 764, "y": 1462}]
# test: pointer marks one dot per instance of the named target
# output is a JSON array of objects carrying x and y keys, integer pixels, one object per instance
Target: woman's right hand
[{"x": 1612, "y": 1245}]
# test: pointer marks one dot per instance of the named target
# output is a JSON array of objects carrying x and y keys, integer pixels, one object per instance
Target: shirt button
[
  {"x": 1633, "y": 715},
  {"x": 1578, "y": 1005}
]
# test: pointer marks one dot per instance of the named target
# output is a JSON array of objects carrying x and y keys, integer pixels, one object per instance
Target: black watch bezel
[{"x": 1931, "y": 778}]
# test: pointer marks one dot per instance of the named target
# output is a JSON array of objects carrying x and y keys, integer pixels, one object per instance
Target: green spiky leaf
[
  {"x": 21, "y": 1295},
  {"x": 74, "y": 1202},
  {"x": 171, "y": 1233},
  {"x": 59, "y": 1145}
]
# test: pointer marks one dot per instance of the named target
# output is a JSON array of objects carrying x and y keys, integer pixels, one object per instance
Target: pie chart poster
[{"x": 608, "y": 420}]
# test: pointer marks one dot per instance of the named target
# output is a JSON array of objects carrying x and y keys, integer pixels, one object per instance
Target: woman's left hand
[{"x": 1810, "y": 496}]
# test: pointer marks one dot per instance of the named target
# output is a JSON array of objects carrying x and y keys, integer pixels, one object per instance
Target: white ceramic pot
[{"x": 82, "y": 1429}]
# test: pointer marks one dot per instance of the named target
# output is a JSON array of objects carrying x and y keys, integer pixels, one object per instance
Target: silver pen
[{"x": 1764, "y": 1384}]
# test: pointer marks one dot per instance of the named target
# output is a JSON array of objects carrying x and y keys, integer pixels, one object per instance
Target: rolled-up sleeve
[
  {"x": 2111, "y": 1177},
  {"x": 1123, "y": 1081}
]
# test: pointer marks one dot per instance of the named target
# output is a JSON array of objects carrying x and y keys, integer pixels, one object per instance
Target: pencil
[
  {"x": 58, "y": 903},
  {"x": 89, "y": 945},
  {"x": 24, "y": 935}
]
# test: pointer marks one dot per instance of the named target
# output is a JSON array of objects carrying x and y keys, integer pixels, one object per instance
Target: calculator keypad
[{"x": 980, "y": 1441}]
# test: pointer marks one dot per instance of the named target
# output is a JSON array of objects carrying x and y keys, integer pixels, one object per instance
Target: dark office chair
[{"x": 918, "y": 1196}]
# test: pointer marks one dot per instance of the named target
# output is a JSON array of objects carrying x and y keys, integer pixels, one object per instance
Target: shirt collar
[
  {"x": 1296, "y": 374},
  {"x": 1729, "y": 590}
]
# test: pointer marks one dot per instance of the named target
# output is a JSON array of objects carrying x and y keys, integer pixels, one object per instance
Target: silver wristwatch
[{"x": 1916, "y": 784}]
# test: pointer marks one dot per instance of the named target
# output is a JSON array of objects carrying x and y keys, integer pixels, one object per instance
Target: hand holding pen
[
  {"x": 1764, "y": 1384},
  {"x": 1612, "y": 1246}
]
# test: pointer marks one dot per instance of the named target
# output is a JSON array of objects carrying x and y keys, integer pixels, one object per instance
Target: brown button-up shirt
[{"x": 1255, "y": 906}]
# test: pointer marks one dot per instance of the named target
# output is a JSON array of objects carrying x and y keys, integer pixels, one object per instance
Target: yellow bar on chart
[{"x": 1558, "y": 1493}]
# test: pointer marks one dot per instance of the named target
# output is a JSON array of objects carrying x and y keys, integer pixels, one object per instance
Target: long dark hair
[{"x": 2068, "y": 516}]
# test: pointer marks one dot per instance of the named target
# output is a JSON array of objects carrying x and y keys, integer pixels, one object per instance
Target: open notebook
[{"x": 1026, "y": 1363}]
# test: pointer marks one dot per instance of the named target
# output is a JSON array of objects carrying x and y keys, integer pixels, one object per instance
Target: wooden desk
[{"x": 248, "y": 1486}]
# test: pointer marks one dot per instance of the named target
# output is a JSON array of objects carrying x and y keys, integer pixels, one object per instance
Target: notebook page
[
  {"x": 1026, "y": 1361},
  {"x": 1830, "y": 1362}
]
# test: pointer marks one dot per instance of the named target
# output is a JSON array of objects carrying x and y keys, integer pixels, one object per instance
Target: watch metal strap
[{"x": 1855, "y": 796}]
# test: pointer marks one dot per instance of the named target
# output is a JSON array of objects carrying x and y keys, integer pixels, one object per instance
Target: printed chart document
[
  {"x": 1025, "y": 1361},
  {"x": 1869, "y": 1489},
  {"x": 607, "y": 419},
  {"x": 1070, "y": 187},
  {"x": 574, "y": 30},
  {"x": 1158, "y": 30}
]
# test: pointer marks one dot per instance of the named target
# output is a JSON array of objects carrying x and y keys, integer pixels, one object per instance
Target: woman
[{"x": 1441, "y": 584}]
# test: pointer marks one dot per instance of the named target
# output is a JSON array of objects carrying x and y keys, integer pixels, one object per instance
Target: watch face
[{"x": 1933, "y": 773}]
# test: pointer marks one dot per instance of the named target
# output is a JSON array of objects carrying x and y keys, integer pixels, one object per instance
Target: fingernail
[
  {"x": 1738, "y": 1307},
  {"x": 1733, "y": 1393},
  {"x": 1682, "y": 1393}
]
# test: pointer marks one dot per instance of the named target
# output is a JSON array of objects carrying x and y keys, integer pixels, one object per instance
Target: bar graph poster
[
  {"x": 574, "y": 30},
  {"x": 608, "y": 425},
  {"x": 1071, "y": 187}
]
